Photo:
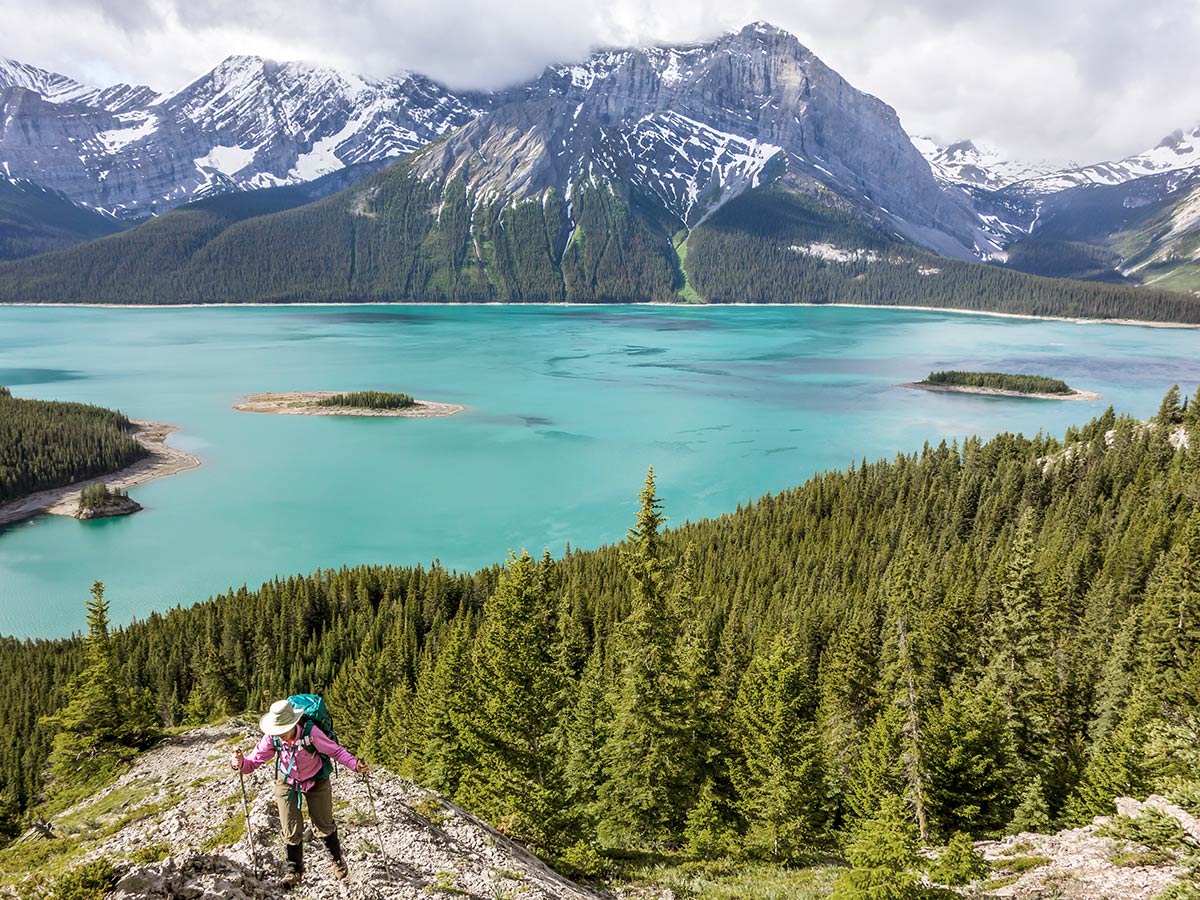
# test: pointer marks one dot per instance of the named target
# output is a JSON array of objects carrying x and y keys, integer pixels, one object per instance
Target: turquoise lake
[{"x": 567, "y": 406}]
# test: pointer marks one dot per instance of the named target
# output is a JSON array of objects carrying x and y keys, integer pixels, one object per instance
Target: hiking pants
[{"x": 320, "y": 811}]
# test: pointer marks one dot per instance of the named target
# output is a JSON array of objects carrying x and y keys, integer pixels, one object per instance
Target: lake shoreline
[
  {"x": 1000, "y": 392},
  {"x": 303, "y": 403},
  {"x": 1076, "y": 320},
  {"x": 163, "y": 460}
]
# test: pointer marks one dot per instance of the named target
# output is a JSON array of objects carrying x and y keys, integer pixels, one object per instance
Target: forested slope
[
  {"x": 1002, "y": 634},
  {"x": 45, "y": 444},
  {"x": 36, "y": 220},
  {"x": 395, "y": 237}
]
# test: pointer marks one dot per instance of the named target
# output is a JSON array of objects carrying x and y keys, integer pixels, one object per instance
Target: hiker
[{"x": 302, "y": 754}]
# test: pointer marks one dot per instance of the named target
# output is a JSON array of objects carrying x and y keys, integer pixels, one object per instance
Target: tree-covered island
[
  {"x": 1002, "y": 384},
  {"x": 342, "y": 403}
]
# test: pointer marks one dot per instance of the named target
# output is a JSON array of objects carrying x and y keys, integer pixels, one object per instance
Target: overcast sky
[{"x": 1080, "y": 80}]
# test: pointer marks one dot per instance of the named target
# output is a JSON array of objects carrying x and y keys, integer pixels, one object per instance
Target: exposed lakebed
[{"x": 565, "y": 408}]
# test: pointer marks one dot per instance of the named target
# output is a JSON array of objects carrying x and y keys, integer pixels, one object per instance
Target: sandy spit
[
  {"x": 999, "y": 392},
  {"x": 301, "y": 403},
  {"x": 64, "y": 501}
]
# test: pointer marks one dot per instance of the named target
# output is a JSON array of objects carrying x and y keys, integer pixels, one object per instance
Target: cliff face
[
  {"x": 691, "y": 127},
  {"x": 173, "y": 827}
]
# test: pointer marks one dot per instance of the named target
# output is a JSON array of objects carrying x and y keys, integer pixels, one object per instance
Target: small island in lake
[
  {"x": 1002, "y": 384},
  {"x": 51, "y": 452},
  {"x": 96, "y": 501},
  {"x": 338, "y": 403}
]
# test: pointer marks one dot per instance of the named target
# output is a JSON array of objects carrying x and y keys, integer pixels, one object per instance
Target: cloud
[{"x": 1075, "y": 80}]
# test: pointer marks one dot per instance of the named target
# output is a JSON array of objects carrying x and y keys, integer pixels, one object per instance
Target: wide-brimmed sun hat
[{"x": 281, "y": 719}]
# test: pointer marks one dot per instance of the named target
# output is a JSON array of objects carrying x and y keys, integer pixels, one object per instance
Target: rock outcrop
[{"x": 173, "y": 826}]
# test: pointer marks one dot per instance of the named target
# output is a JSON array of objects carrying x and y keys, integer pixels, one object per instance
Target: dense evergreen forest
[
  {"x": 36, "y": 220},
  {"x": 394, "y": 237},
  {"x": 1004, "y": 381},
  {"x": 974, "y": 638},
  {"x": 45, "y": 444},
  {"x": 369, "y": 400}
]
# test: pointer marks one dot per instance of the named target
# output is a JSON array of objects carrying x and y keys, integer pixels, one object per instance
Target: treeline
[
  {"x": 46, "y": 444},
  {"x": 747, "y": 253},
  {"x": 368, "y": 400},
  {"x": 394, "y": 237},
  {"x": 1004, "y": 381},
  {"x": 998, "y": 635}
]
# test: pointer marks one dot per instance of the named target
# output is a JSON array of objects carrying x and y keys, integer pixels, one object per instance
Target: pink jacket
[{"x": 299, "y": 763}]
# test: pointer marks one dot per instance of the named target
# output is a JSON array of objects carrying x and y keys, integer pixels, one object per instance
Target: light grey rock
[{"x": 249, "y": 123}]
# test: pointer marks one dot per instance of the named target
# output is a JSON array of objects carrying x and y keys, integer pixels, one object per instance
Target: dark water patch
[
  {"x": 674, "y": 446},
  {"x": 684, "y": 367},
  {"x": 536, "y": 421},
  {"x": 18, "y": 376},
  {"x": 555, "y": 360},
  {"x": 773, "y": 450},
  {"x": 564, "y": 435},
  {"x": 633, "y": 350},
  {"x": 368, "y": 317},
  {"x": 705, "y": 428}
]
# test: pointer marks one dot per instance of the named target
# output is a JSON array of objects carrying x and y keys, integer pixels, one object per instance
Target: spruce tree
[
  {"x": 512, "y": 721},
  {"x": 778, "y": 769},
  {"x": 645, "y": 795},
  {"x": 883, "y": 857},
  {"x": 1020, "y": 651},
  {"x": 104, "y": 721}
]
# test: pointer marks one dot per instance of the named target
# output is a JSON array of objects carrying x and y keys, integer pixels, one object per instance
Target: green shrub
[
  {"x": 581, "y": 859},
  {"x": 1151, "y": 828},
  {"x": 960, "y": 863},
  {"x": 91, "y": 881}
]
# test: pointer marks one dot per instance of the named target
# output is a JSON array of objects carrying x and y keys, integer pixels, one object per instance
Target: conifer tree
[
  {"x": 588, "y": 727},
  {"x": 778, "y": 771},
  {"x": 1020, "y": 652},
  {"x": 971, "y": 760},
  {"x": 883, "y": 857},
  {"x": 517, "y": 689},
  {"x": 439, "y": 711},
  {"x": 104, "y": 720},
  {"x": 644, "y": 796},
  {"x": 1170, "y": 411}
]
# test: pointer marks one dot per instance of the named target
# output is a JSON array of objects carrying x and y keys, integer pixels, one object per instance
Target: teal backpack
[{"x": 313, "y": 712}]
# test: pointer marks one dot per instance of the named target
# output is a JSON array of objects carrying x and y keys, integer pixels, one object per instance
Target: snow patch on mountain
[
  {"x": 691, "y": 167},
  {"x": 1178, "y": 150},
  {"x": 978, "y": 165},
  {"x": 227, "y": 160},
  {"x": 134, "y": 127},
  {"x": 135, "y": 151}
]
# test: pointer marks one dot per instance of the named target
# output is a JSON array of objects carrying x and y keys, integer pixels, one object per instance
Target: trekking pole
[
  {"x": 378, "y": 831},
  {"x": 249, "y": 833}
]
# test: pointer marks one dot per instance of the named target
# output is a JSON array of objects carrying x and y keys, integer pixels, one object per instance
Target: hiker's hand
[
  {"x": 235, "y": 761},
  {"x": 363, "y": 768}
]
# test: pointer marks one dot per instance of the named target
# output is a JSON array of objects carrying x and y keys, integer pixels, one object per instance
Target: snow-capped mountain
[
  {"x": 1178, "y": 150},
  {"x": 977, "y": 165},
  {"x": 691, "y": 127},
  {"x": 248, "y": 123}
]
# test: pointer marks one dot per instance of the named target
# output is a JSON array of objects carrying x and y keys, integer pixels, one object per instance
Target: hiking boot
[
  {"x": 334, "y": 845},
  {"x": 295, "y": 862}
]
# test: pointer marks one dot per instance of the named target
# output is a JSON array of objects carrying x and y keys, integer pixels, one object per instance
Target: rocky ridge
[
  {"x": 249, "y": 123},
  {"x": 690, "y": 127},
  {"x": 180, "y": 833}
]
